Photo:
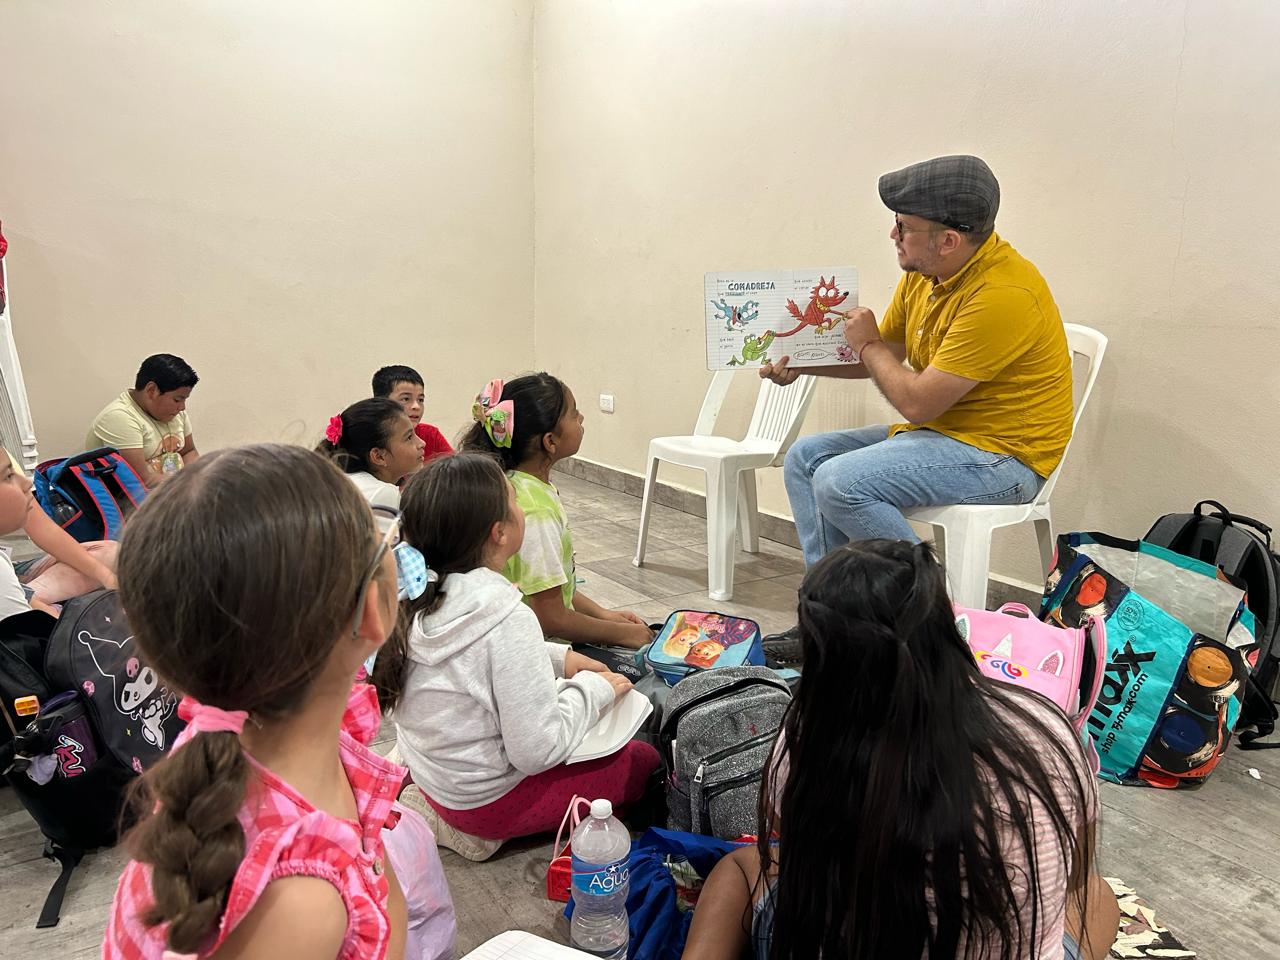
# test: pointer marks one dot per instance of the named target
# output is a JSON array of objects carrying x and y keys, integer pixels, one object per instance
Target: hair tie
[
  {"x": 412, "y": 572},
  {"x": 202, "y": 718},
  {"x": 498, "y": 416},
  {"x": 333, "y": 432}
]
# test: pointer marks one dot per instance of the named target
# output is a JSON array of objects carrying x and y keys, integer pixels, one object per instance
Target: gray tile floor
[{"x": 1208, "y": 860}]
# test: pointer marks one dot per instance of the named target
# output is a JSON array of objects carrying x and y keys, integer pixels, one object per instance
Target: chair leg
[
  {"x": 722, "y": 511},
  {"x": 1044, "y": 537},
  {"x": 748, "y": 513},
  {"x": 968, "y": 563},
  {"x": 642, "y": 538}
]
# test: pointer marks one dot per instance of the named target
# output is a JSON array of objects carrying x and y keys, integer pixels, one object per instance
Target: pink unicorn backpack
[{"x": 1065, "y": 665}]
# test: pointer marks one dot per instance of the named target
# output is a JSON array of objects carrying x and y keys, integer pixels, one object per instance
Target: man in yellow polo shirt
[{"x": 986, "y": 388}]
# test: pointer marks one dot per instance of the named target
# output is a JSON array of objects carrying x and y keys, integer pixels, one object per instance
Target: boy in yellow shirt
[{"x": 149, "y": 424}]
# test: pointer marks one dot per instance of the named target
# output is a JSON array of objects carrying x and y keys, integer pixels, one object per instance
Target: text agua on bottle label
[{"x": 600, "y": 882}]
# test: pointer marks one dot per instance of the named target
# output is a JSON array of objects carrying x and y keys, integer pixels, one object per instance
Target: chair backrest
[
  {"x": 778, "y": 415},
  {"x": 712, "y": 402},
  {"x": 1091, "y": 345}
]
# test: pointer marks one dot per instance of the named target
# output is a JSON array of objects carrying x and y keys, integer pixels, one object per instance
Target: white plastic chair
[
  {"x": 730, "y": 466},
  {"x": 963, "y": 531}
]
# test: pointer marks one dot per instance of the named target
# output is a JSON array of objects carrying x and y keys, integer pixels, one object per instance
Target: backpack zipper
[
  {"x": 738, "y": 748},
  {"x": 731, "y": 751},
  {"x": 723, "y": 787}
]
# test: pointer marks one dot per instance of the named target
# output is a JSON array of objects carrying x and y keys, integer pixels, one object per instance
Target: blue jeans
[{"x": 854, "y": 484}]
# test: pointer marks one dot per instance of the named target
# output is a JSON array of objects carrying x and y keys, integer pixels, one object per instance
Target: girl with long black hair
[{"x": 923, "y": 811}]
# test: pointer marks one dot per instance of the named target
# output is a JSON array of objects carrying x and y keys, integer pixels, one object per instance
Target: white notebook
[
  {"x": 518, "y": 945},
  {"x": 614, "y": 729}
]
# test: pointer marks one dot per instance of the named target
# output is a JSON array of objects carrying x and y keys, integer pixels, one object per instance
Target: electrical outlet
[{"x": 606, "y": 403}]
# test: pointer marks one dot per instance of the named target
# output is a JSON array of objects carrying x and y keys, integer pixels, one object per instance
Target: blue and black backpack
[{"x": 89, "y": 495}]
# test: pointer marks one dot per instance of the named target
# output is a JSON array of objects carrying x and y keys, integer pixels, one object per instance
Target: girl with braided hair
[
  {"x": 257, "y": 584},
  {"x": 918, "y": 809}
]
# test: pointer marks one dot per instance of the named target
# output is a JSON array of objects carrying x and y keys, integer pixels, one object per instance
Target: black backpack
[
  {"x": 103, "y": 717},
  {"x": 1241, "y": 547}
]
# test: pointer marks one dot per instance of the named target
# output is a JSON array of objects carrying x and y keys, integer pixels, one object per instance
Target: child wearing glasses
[
  {"x": 271, "y": 807},
  {"x": 486, "y": 710},
  {"x": 374, "y": 444}
]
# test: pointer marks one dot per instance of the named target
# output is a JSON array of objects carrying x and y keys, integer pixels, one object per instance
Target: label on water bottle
[{"x": 592, "y": 880}]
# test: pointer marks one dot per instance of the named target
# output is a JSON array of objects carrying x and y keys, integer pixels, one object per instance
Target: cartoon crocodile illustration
[
  {"x": 754, "y": 348},
  {"x": 824, "y": 298},
  {"x": 736, "y": 317}
]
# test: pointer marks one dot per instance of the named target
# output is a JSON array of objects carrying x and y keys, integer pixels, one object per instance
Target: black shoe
[{"x": 783, "y": 649}]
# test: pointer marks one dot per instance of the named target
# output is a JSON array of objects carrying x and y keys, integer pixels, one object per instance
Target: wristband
[{"x": 864, "y": 347}]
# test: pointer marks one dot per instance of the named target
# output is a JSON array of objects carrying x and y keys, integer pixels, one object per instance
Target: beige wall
[
  {"x": 1138, "y": 149},
  {"x": 290, "y": 194},
  {"x": 287, "y": 194}
]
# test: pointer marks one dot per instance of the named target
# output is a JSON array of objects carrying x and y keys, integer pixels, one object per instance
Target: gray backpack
[{"x": 717, "y": 734}]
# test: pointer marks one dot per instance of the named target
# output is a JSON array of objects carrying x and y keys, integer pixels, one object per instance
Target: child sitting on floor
[
  {"x": 530, "y": 424},
  {"x": 486, "y": 710},
  {"x": 404, "y": 385},
  {"x": 149, "y": 424},
  {"x": 922, "y": 809},
  {"x": 374, "y": 444},
  {"x": 257, "y": 583}
]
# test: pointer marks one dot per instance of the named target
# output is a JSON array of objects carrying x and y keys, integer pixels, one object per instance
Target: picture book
[{"x": 758, "y": 316}]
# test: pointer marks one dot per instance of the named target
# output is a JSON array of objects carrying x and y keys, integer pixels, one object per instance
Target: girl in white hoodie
[{"x": 486, "y": 710}]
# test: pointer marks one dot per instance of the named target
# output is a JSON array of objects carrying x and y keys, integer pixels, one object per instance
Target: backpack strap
[
  {"x": 1258, "y": 711},
  {"x": 1170, "y": 529},
  {"x": 69, "y": 858},
  {"x": 108, "y": 509},
  {"x": 126, "y": 479}
]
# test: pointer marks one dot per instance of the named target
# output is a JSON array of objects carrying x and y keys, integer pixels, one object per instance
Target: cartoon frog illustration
[{"x": 754, "y": 348}]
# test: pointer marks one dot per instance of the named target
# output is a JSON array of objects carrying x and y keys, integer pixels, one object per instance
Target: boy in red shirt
[{"x": 404, "y": 385}]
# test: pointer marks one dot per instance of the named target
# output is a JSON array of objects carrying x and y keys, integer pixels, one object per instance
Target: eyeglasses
[
  {"x": 903, "y": 229},
  {"x": 390, "y": 539}
]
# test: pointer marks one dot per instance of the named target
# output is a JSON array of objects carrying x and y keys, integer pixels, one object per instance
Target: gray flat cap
[{"x": 960, "y": 191}]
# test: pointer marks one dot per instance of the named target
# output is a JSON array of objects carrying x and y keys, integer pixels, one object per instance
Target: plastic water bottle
[{"x": 601, "y": 862}]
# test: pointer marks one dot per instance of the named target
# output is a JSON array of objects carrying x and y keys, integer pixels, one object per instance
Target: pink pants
[
  {"x": 537, "y": 804},
  {"x": 54, "y": 582}
]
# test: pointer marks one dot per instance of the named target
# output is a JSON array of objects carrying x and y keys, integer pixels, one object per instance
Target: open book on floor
[
  {"x": 518, "y": 945},
  {"x": 614, "y": 729}
]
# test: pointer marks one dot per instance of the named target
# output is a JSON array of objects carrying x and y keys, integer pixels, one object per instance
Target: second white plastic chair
[
  {"x": 730, "y": 467},
  {"x": 963, "y": 531}
]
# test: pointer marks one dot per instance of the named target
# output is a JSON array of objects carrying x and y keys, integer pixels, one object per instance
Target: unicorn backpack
[{"x": 1012, "y": 646}]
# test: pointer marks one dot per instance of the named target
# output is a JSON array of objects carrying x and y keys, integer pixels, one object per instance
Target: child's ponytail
[
  {"x": 193, "y": 841},
  {"x": 238, "y": 576},
  {"x": 539, "y": 401},
  {"x": 448, "y": 509},
  {"x": 361, "y": 428}
]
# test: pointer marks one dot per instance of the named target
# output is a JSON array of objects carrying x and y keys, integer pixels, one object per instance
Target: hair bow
[
  {"x": 333, "y": 432},
  {"x": 497, "y": 415},
  {"x": 412, "y": 572},
  {"x": 202, "y": 718}
]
